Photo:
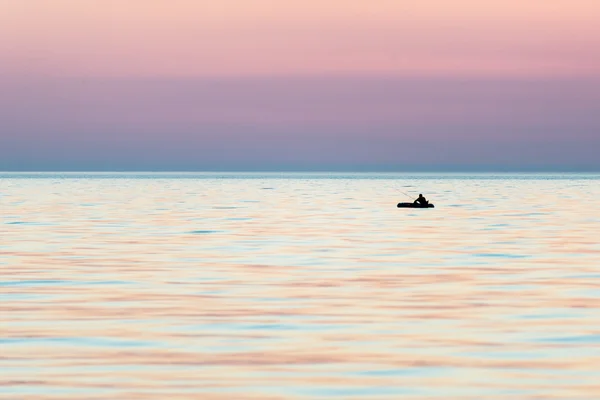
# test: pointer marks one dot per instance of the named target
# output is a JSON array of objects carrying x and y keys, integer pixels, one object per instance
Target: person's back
[{"x": 421, "y": 200}]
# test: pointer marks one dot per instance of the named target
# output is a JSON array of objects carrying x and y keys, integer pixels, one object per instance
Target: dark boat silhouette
[{"x": 415, "y": 205}]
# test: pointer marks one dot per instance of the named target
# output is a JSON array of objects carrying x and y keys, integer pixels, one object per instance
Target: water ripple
[{"x": 163, "y": 286}]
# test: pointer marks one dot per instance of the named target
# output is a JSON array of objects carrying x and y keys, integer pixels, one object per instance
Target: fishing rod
[{"x": 404, "y": 193}]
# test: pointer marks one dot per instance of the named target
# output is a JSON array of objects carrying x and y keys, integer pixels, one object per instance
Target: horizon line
[{"x": 295, "y": 170}]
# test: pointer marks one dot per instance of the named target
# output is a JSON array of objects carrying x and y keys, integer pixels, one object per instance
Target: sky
[{"x": 299, "y": 84}]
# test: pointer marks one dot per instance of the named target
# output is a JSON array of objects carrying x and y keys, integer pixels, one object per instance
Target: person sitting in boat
[{"x": 421, "y": 200}]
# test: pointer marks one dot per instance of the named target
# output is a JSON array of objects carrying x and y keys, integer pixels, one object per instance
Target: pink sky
[
  {"x": 265, "y": 37},
  {"x": 265, "y": 69}
]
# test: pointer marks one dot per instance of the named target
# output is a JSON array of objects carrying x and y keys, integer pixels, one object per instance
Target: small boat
[{"x": 415, "y": 205}]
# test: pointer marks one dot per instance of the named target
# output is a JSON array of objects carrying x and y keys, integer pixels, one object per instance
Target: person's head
[{"x": 420, "y": 195}]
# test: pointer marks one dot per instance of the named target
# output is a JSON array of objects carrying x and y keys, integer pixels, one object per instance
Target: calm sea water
[{"x": 299, "y": 286}]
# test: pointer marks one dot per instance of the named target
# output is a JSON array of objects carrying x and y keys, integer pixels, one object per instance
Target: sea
[{"x": 299, "y": 286}]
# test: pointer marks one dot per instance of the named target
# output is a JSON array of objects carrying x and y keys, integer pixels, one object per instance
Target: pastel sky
[{"x": 328, "y": 84}]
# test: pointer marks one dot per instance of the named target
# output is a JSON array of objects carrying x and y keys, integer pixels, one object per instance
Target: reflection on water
[{"x": 188, "y": 286}]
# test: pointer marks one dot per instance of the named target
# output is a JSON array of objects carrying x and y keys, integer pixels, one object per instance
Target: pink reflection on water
[{"x": 161, "y": 289}]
